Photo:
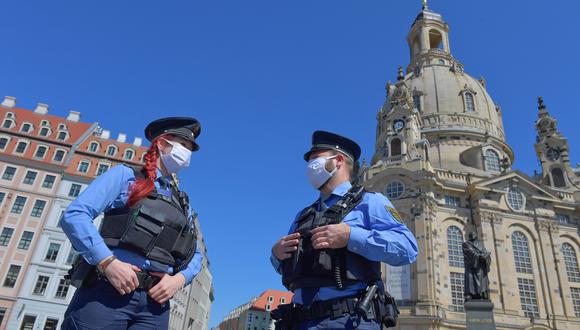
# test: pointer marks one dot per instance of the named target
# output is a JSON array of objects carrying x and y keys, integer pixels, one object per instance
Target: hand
[
  {"x": 331, "y": 236},
  {"x": 122, "y": 276},
  {"x": 167, "y": 287},
  {"x": 285, "y": 246}
]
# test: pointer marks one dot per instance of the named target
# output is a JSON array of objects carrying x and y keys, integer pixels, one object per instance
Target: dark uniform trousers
[
  {"x": 345, "y": 322},
  {"x": 100, "y": 306}
]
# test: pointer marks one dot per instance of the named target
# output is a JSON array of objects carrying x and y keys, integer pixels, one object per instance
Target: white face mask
[
  {"x": 317, "y": 173},
  {"x": 177, "y": 159}
]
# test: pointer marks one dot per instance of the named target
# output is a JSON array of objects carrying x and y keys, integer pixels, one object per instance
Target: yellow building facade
[{"x": 442, "y": 158}]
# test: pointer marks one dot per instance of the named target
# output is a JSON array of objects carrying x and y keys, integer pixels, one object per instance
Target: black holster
[{"x": 82, "y": 274}]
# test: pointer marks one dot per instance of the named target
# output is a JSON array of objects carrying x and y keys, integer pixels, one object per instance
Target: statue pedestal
[{"x": 479, "y": 314}]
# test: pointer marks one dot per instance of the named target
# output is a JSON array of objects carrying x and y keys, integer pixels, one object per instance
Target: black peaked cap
[
  {"x": 322, "y": 140},
  {"x": 185, "y": 127}
]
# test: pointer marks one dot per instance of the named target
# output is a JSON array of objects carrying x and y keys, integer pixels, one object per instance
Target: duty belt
[
  {"x": 146, "y": 281},
  {"x": 334, "y": 308}
]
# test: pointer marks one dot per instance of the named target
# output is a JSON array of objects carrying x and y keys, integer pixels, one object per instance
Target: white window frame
[
  {"x": 125, "y": 154},
  {"x": 402, "y": 192},
  {"x": 31, "y": 127},
  {"x": 112, "y": 146},
  {"x": 84, "y": 161},
  {"x": 54, "y": 155},
  {"x": 9, "y": 138},
  {"x": 12, "y": 123},
  {"x": 94, "y": 143},
  {"x": 65, "y": 137},
  {"x": 25, "y": 148},
  {"x": 99, "y": 165},
  {"x": 47, "y": 134},
  {"x": 36, "y": 151},
  {"x": 507, "y": 199}
]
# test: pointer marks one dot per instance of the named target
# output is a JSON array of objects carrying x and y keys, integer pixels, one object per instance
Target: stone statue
[{"x": 477, "y": 261}]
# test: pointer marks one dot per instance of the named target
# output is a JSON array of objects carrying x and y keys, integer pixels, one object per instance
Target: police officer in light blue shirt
[
  {"x": 146, "y": 249},
  {"x": 331, "y": 257}
]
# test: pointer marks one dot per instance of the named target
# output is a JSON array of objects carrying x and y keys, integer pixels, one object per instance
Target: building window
[
  {"x": 452, "y": 201},
  {"x": 417, "y": 102},
  {"x": 61, "y": 126},
  {"x": 48, "y": 181},
  {"x": 18, "y": 205},
  {"x": 2, "y": 314},
  {"x": 528, "y": 297},
  {"x": 40, "y": 152},
  {"x": 558, "y": 177},
  {"x": 9, "y": 172},
  {"x": 469, "y": 102},
  {"x": 11, "y": 276},
  {"x": 111, "y": 150},
  {"x": 71, "y": 256},
  {"x": 282, "y": 300},
  {"x": 30, "y": 177},
  {"x": 44, "y": 131},
  {"x": 563, "y": 219},
  {"x": 2, "y": 195},
  {"x": 75, "y": 190},
  {"x": 93, "y": 147},
  {"x": 83, "y": 167},
  {"x": 25, "y": 240},
  {"x": 492, "y": 161},
  {"x": 268, "y": 307},
  {"x": 102, "y": 168},
  {"x": 38, "y": 208},
  {"x": 396, "y": 147},
  {"x": 62, "y": 289},
  {"x": 6, "y": 236},
  {"x": 571, "y": 263},
  {"x": 7, "y": 123},
  {"x": 58, "y": 156},
  {"x": 455, "y": 246},
  {"x": 28, "y": 322},
  {"x": 3, "y": 143},
  {"x": 457, "y": 283},
  {"x": 576, "y": 300},
  {"x": 62, "y": 136},
  {"x": 26, "y": 127},
  {"x": 52, "y": 252},
  {"x": 40, "y": 286},
  {"x": 129, "y": 154},
  {"x": 21, "y": 147},
  {"x": 515, "y": 199},
  {"x": 50, "y": 324},
  {"x": 521, "y": 253},
  {"x": 394, "y": 189}
]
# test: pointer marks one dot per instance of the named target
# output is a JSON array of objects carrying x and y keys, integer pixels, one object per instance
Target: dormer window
[
  {"x": 26, "y": 127},
  {"x": 84, "y": 166},
  {"x": 21, "y": 147},
  {"x": 492, "y": 161},
  {"x": 4, "y": 142},
  {"x": 111, "y": 150},
  {"x": 40, "y": 152},
  {"x": 44, "y": 123},
  {"x": 8, "y": 123},
  {"x": 62, "y": 135},
  {"x": 94, "y": 146},
  {"x": 61, "y": 126},
  {"x": 44, "y": 131},
  {"x": 129, "y": 154}
]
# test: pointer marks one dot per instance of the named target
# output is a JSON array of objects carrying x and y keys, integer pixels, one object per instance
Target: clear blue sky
[{"x": 261, "y": 76}]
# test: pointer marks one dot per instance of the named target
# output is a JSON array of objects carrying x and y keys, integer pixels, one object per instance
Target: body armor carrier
[
  {"x": 157, "y": 227},
  {"x": 308, "y": 267}
]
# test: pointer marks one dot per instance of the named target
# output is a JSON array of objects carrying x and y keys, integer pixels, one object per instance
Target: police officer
[
  {"x": 331, "y": 257},
  {"x": 146, "y": 248}
]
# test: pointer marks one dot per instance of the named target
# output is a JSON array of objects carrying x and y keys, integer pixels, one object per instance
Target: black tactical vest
[
  {"x": 310, "y": 268},
  {"x": 157, "y": 227}
]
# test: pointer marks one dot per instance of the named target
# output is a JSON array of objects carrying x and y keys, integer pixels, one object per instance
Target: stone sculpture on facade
[{"x": 477, "y": 261}]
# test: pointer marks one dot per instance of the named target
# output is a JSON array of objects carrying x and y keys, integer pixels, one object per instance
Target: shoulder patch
[{"x": 394, "y": 213}]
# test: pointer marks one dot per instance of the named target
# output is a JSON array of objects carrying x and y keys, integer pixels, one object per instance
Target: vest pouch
[
  {"x": 141, "y": 234},
  {"x": 184, "y": 244}
]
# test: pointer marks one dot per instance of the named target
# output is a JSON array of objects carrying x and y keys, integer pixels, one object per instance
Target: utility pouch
[
  {"x": 186, "y": 241},
  {"x": 142, "y": 232},
  {"x": 81, "y": 274}
]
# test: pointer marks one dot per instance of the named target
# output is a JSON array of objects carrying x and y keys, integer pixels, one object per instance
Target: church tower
[{"x": 552, "y": 151}]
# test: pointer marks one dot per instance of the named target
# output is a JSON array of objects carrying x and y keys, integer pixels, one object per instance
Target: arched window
[
  {"x": 93, "y": 146},
  {"x": 515, "y": 199},
  {"x": 521, "y": 253},
  {"x": 454, "y": 246},
  {"x": 417, "y": 102},
  {"x": 469, "y": 102},
  {"x": 394, "y": 189},
  {"x": 395, "y": 147},
  {"x": 558, "y": 177},
  {"x": 492, "y": 161},
  {"x": 111, "y": 150},
  {"x": 129, "y": 154},
  {"x": 435, "y": 39},
  {"x": 571, "y": 263}
]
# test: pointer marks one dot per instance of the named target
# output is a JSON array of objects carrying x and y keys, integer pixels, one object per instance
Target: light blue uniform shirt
[
  {"x": 374, "y": 234},
  {"x": 108, "y": 191}
]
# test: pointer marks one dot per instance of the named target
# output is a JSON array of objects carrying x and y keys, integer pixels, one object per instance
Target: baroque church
[{"x": 441, "y": 156}]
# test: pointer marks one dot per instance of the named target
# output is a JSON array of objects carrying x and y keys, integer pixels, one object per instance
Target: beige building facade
[{"x": 441, "y": 156}]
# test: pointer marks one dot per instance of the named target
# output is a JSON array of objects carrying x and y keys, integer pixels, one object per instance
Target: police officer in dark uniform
[
  {"x": 331, "y": 257},
  {"x": 146, "y": 248}
]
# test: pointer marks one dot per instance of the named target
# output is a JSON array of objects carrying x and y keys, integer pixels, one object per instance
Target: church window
[
  {"x": 571, "y": 263},
  {"x": 553, "y": 154},
  {"x": 576, "y": 300},
  {"x": 417, "y": 102},
  {"x": 491, "y": 161},
  {"x": 457, "y": 284},
  {"x": 558, "y": 177},
  {"x": 563, "y": 219},
  {"x": 469, "y": 102},
  {"x": 521, "y": 252},
  {"x": 394, "y": 190},
  {"x": 395, "y": 147},
  {"x": 515, "y": 199},
  {"x": 454, "y": 246},
  {"x": 452, "y": 201},
  {"x": 528, "y": 298}
]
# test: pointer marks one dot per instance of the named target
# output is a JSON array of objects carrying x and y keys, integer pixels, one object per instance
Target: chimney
[
  {"x": 122, "y": 137},
  {"x": 41, "y": 108},
  {"x": 74, "y": 116},
  {"x": 137, "y": 142},
  {"x": 106, "y": 134},
  {"x": 9, "y": 102}
]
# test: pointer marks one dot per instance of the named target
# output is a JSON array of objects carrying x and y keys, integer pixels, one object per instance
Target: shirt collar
[
  {"x": 339, "y": 190},
  {"x": 160, "y": 177}
]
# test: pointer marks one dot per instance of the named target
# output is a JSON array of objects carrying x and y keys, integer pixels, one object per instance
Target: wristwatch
[{"x": 101, "y": 266}]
